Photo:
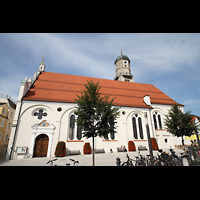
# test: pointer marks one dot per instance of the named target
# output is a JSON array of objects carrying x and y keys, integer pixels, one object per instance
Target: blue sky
[{"x": 170, "y": 61}]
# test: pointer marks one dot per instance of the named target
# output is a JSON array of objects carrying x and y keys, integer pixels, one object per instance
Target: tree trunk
[
  {"x": 182, "y": 141},
  {"x": 93, "y": 150}
]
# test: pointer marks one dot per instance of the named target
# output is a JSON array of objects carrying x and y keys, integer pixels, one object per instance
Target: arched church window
[
  {"x": 157, "y": 120},
  {"x": 75, "y": 132},
  {"x": 112, "y": 135},
  {"x": 71, "y": 127},
  {"x": 79, "y": 132},
  {"x": 137, "y": 127},
  {"x": 140, "y": 128},
  {"x": 134, "y": 128}
]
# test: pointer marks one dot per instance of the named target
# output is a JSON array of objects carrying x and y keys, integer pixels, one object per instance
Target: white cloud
[
  {"x": 191, "y": 101},
  {"x": 153, "y": 57}
]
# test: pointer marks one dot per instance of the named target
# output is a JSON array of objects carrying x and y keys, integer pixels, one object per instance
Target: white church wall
[
  {"x": 165, "y": 140},
  {"x": 61, "y": 121},
  {"x": 137, "y": 112}
]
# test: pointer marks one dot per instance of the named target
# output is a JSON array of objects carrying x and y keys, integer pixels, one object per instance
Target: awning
[{"x": 192, "y": 137}]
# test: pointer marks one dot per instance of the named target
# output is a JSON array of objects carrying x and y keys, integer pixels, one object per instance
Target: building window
[
  {"x": 4, "y": 111},
  {"x": 2, "y": 122},
  {"x": 134, "y": 128},
  {"x": 6, "y": 138},
  {"x": 79, "y": 132},
  {"x": 140, "y": 128},
  {"x": 137, "y": 127},
  {"x": 157, "y": 120},
  {"x": 40, "y": 114},
  {"x": 111, "y": 136},
  {"x": 73, "y": 128}
]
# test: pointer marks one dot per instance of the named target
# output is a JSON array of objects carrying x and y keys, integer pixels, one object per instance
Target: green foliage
[
  {"x": 96, "y": 114},
  {"x": 60, "y": 149},
  {"x": 178, "y": 123}
]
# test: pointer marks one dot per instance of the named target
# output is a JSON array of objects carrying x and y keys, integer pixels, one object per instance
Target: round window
[
  {"x": 59, "y": 109},
  {"x": 166, "y": 140}
]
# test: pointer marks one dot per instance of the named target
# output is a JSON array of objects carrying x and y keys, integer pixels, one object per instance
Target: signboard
[{"x": 22, "y": 150}]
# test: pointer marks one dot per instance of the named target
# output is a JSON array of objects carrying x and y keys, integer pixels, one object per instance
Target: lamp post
[{"x": 149, "y": 139}]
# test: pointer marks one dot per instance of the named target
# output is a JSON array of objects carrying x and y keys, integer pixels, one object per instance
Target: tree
[
  {"x": 96, "y": 114},
  {"x": 178, "y": 123}
]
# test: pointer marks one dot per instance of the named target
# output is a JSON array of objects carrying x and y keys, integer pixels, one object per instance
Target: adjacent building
[{"x": 7, "y": 111}]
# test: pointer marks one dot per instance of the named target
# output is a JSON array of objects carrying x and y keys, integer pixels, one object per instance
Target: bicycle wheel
[
  {"x": 177, "y": 162},
  {"x": 164, "y": 163},
  {"x": 171, "y": 163},
  {"x": 189, "y": 160},
  {"x": 127, "y": 164}
]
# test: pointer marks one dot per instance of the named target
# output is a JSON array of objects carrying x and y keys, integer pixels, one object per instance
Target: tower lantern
[{"x": 123, "y": 71}]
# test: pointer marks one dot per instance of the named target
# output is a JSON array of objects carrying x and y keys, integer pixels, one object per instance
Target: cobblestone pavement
[{"x": 105, "y": 159}]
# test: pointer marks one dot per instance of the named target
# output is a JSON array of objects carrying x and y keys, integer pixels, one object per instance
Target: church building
[{"x": 45, "y": 113}]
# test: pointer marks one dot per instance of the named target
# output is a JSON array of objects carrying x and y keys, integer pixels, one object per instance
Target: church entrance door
[{"x": 41, "y": 145}]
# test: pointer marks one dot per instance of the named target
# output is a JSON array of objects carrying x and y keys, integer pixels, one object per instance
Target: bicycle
[
  {"x": 51, "y": 162},
  {"x": 67, "y": 164},
  {"x": 164, "y": 159},
  {"x": 176, "y": 159},
  {"x": 128, "y": 162},
  {"x": 148, "y": 161},
  {"x": 185, "y": 160},
  {"x": 140, "y": 161},
  {"x": 75, "y": 161}
]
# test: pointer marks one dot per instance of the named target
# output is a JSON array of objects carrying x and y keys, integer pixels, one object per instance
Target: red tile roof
[{"x": 64, "y": 88}]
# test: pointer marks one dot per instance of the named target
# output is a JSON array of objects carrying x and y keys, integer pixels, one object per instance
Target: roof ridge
[{"x": 124, "y": 82}]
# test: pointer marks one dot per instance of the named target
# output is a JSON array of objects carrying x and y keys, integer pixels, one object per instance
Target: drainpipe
[
  {"x": 15, "y": 131},
  {"x": 152, "y": 123}
]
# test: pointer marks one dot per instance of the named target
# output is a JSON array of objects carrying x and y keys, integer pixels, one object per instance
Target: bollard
[{"x": 118, "y": 161}]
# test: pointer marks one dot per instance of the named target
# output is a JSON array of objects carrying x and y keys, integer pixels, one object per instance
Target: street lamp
[{"x": 149, "y": 139}]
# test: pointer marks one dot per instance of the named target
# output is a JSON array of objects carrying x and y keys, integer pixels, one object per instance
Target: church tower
[
  {"x": 42, "y": 66},
  {"x": 123, "y": 71}
]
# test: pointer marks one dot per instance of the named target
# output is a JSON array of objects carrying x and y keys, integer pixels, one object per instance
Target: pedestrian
[
  {"x": 122, "y": 148},
  {"x": 125, "y": 149}
]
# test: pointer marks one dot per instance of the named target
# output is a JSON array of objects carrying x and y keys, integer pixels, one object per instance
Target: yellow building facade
[{"x": 7, "y": 111}]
